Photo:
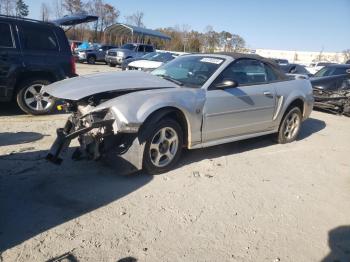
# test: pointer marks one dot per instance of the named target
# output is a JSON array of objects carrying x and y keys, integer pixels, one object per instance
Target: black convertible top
[{"x": 268, "y": 61}]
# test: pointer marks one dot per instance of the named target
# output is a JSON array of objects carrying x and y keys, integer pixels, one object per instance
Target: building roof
[{"x": 124, "y": 29}]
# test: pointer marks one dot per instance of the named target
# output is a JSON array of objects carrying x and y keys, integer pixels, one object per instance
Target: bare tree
[
  {"x": 73, "y": 6},
  {"x": 107, "y": 14},
  {"x": 45, "y": 12},
  {"x": 346, "y": 54},
  {"x": 58, "y": 8},
  {"x": 135, "y": 19},
  {"x": 8, "y": 7}
]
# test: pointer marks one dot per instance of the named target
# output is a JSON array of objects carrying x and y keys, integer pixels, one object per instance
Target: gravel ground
[{"x": 245, "y": 201}]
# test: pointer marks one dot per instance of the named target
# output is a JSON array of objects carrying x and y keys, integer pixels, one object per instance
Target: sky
[{"x": 303, "y": 25}]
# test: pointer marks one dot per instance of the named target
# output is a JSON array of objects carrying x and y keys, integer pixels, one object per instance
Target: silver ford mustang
[{"x": 192, "y": 102}]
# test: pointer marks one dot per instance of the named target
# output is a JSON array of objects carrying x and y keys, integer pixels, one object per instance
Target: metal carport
[{"x": 131, "y": 33}]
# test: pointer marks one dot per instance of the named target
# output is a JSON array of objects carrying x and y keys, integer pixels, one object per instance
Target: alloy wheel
[
  {"x": 292, "y": 126},
  {"x": 164, "y": 146},
  {"x": 36, "y": 99}
]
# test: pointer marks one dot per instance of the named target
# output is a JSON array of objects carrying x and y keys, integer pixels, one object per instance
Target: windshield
[
  {"x": 162, "y": 57},
  {"x": 149, "y": 55},
  {"x": 191, "y": 71},
  {"x": 128, "y": 46},
  {"x": 331, "y": 71}
]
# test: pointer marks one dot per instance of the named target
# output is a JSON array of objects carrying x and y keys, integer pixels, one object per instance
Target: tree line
[{"x": 183, "y": 38}]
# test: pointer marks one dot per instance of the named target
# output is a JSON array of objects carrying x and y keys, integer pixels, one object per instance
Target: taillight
[{"x": 72, "y": 65}]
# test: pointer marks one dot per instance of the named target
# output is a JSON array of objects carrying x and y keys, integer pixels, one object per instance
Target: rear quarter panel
[{"x": 289, "y": 91}]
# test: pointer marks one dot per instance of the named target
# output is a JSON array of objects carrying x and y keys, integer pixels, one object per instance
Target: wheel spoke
[
  {"x": 29, "y": 100},
  {"x": 32, "y": 90},
  {"x": 46, "y": 98},
  {"x": 162, "y": 135},
  {"x": 157, "y": 158},
  {"x": 39, "y": 105},
  {"x": 154, "y": 146}
]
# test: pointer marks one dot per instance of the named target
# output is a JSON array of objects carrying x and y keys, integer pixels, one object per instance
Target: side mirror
[{"x": 226, "y": 84}]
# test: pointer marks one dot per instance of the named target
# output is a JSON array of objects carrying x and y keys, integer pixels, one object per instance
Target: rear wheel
[
  {"x": 32, "y": 99},
  {"x": 290, "y": 126},
  {"x": 163, "y": 146}
]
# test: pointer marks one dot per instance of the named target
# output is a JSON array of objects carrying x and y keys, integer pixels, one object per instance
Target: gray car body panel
[
  {"x": 83, "y": 86},
  {"x": 213, "y": 116}
]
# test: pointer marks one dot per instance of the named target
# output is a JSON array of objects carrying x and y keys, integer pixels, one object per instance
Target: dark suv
[{"x": 34, "y": 54}]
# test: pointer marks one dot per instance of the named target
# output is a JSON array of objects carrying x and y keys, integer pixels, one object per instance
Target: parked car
[
  {"x": 153, "y": 62},
  {"x": 281, "y": 62},
  {"x": 333, "y": 70},
  {"x": 126, "y": 62},
  {"x": 348, "y": 62},
  {"x": 314, "y": 67},
  {"x": 34, "y": 54},
  {"x": 96, "y": 53},
  {"x": 295, "y": 69},
  {"x": 191, "y": 102},
  {"x": 133, "y": 50},
  {"x": 331, "y": 87}
]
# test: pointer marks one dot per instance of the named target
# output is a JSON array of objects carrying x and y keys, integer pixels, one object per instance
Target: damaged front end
[
  {"x": 337, "y": 102},
  {"x": 99, "y": 132}
]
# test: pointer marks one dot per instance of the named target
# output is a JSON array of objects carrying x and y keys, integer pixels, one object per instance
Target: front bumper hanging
[{"x": 66, "y": 134}]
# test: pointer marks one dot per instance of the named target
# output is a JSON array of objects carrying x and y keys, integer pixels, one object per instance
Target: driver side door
[{"x": 242, "y": 110}]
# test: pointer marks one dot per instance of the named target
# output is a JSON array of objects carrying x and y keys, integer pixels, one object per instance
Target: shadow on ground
[
  {"x": 36, "y": 196},
  {"x": 339, "y": 244},
  {"x": 8, "y": 138},
  {"x": 309, "y": 127}
]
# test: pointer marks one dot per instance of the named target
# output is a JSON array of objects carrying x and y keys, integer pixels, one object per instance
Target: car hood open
[{"x": 84, "y": 86}]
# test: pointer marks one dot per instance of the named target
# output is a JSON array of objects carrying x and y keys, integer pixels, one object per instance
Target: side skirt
[{"x": 231, "y": 139}]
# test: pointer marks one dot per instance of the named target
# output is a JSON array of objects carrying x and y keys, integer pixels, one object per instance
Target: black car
[
  {"x": 295, "y": 69},
  {"x": 34, "y": 54},
  {"x": 333, "y": 70},
  {"x": 331, "y": 86},
  {"x": 281, "y": 61}
]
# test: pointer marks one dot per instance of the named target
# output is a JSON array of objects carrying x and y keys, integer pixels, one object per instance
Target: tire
[
  {"x": 290, "y": 126},
  {"x": 112, "y": 65},
  {"x": 163, "y": 146},
  {"x": 91, "y": 60},
  {"x": 31, "y": 100}
]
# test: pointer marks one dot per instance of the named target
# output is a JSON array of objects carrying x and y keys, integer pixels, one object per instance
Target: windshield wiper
[{"x": 169, "y": 78}]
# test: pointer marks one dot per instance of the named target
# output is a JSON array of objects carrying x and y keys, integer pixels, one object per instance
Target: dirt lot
[{"x": 246, "y": 201}]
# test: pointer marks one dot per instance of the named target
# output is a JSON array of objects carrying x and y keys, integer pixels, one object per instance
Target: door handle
[{"x": 268, "y": 94}]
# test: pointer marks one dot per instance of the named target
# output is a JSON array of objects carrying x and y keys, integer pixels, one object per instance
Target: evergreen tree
[{"x": 21, "y": 9}]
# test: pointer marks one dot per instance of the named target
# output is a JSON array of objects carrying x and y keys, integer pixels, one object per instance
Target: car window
[
  {"x": 148, "y": 48},
  {"x": 245, "y": 72},
  {"x": 6, "y": 37},
  {"x": 141, "y": 48},
  {"x": 191, "y": 71},
  {"x": 38, "y": 38},
  {"x": 271, "y": 75}
]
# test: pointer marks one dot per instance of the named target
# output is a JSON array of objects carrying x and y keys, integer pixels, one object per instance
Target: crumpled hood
[{"x": 83, "y": 86}]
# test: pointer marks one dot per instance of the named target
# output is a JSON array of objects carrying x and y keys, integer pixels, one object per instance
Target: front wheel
[
  {"x": 163, "y": 147},
  {"x": 91, "y": 60},
  {"x": 290, "y": 126},
  {"x": 32, "y": 99},
  {"x": 112, "y": 65}
]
